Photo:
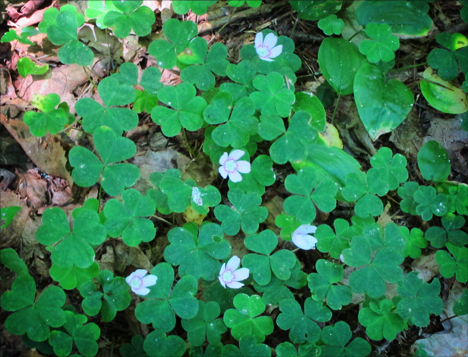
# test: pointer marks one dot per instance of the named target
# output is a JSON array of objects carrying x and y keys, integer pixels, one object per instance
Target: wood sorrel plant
[{"x": 229, "y": 281}]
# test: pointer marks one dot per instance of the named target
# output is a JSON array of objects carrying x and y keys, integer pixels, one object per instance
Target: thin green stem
[
  {"x": 336, "y": 107},
  {"x": 294, "y": 28},
  {"x": 192, "y": 153},
  {"x": 89, "y": 78},
  {"x": 355, "y": 34},
  {"x": 99, "y": 197},
  {"x": 407, "y": 67},
  {"x": 229, "y": 20}
]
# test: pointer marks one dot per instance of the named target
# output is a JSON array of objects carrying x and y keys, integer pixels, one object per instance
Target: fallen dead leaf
[{"x": 49, "y": 159}]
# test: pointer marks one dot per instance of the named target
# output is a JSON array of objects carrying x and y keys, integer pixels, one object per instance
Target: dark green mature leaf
[
  {"x": 163, "y": 302},
  {"x": 292, "y": 145},
  {"x": 158, "y": 345},
  {"x": 433, "y": 162},
  {"x": 245, "y": 213},
  {"x": 382, "y": 45},
  {"x": 113, "y": 93},
  {"x": 382, "y": 105},
  {"x": 87, "y": 232},
  {"x": 406, "y": 192},
  {"x": 186, "y": 109},
  {"x": 334, "y": 243},
  {"x": 429, "y": 202},
  {"x": 381, "y": 320},
  {"x": 420, "y": 299},
  {"x": 135, "y": 349},
  {"x": 316, "y": 9},
  {"x": 126, "y": 218},
  {"x": 134, "y": 17},
  {"x": 336, "y": 340},
  {"x": 461, "y": 306},
  {"x": 70, "y": 277},
  {"x": 84, "y": 336},
  {"x": 302, "y": 325},
  {"x": 205, "y": 324},
  {"x": 197, "y": 255},
  {"x": 308, "y": 190},
  {"x": 339, "y": 61},
  {"x": 449, "y": 266}
]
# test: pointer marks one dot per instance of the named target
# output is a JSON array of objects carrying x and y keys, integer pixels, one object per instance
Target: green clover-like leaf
[
  {"x": 458, "y": 199},
  {"x": 331, "y": 25},
  {"x": 113, "y": 93},
  {"x": 387, "y": 172},
  {"x": 381, "y": 320},
  {"x": 375, "y": 271},
  {"x": 87, "y": 232},
  {"x": 158, "y": 345},
  {"x": 26, "y": 32},
  {"x": 451, "y": 232},
  {"x": 357, "y": 189},
  {"x": 429, "y": 202},
  {"x": 312, "y": 105},
  {"x": 133, "y": 17},
  {"x": 261, "y": 265},
  {"x": 334, "y": 243},
  {"x": 197, "y": 252},
  {"x": 27, "y": 67},
  {"x": 178, "y": 35},
  {"x": 50, "y": 119},
  {"x": 406, "y": 192},
  {"x": 202, "y": 75},
  {"x": 205, "y": 324},
  {"x": 308, "y": 190},
  {"x": 414, "y": 242},
  {"x": 198, "y": 7},
  {"x": 186, "y": 112},
  {"x": 245, "y": 213},
  {"x": 244, "y": 321},
  {"x": 126, "y": 219},
  {"x": 336, "y": 340},
  {"x": 112, "y": 149},
  {"x": 450, "y": 266},
  {"x": 292, "y": 145},
  {"x": 77, "y": 331},
  {"x": 135, "y": 349},
  {"x": 420, "y": 299},
  {"x": 163, "y": 301},
  {"x": 303, "y": 326},
  {"x": 114, "y": 297},
  {"x": 461, "y": 306},
  {"x": 70, "y": 277},
  {"x": 383, "y": 45},
  {"x": 322, "y": 286},
  {"x": 273, "y": 97}
]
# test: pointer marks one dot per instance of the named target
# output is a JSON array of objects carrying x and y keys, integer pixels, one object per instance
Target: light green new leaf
[
  {"x": 158, "y": 345},
  {"x": 26, "y": 67},
  {"x": 382, "y": 45}
]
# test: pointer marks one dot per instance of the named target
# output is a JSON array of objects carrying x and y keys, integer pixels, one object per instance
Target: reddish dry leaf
[{"x": 46, "y": 152}]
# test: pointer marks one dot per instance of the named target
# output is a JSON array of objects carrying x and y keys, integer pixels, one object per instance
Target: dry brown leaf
[{"x": 48, "y": 158}]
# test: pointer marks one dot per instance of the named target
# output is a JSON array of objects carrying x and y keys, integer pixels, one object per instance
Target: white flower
[
  {"x": 228, "y": 275},
  {"x": 230, "y": 166},
  {"x": 303, "y": 239},
  {"x": 139, "y": 282},
  {"x": 266, "y": 49}
]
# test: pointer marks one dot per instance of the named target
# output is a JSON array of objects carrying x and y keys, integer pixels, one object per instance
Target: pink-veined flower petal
[
  {"x": 305, "y": 242},
  {"x": 241, "y": 274},
  {"x": 139, "y": 273},
  {"x": 149, "y": 280},
  {"x": 275, "y": 52},
  {"x": 258, "y": 39},
  {"x": 141, "y": 291},
  {"x": 270, "y": 41},
  {"x": 222, "y": 281},
  {"x": 233, "y": 263},
  {"x": 223, "y": 269},
  {"x": 234, "y": 285},
  {"x": 243, "y": 167},
  {"x": 223, "y": 172},
  {"x": 223, "y": 158},
  {"x": 235, "y": 176},
  {"x": 236, "y": 155}
]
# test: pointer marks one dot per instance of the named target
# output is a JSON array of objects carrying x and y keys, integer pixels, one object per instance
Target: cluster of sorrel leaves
[{"x": 241, "y": 106}]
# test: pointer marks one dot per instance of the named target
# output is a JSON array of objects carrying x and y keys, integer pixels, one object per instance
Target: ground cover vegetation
[{"x": 239, "y": 178}]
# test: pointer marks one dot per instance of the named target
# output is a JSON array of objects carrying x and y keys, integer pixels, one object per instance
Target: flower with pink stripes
[
  {"x": 139, "y": 283},
  {"x": 229, "y": 274},
  {"x": 230, "y": 166},
  {"x": 266, "y": 48}
]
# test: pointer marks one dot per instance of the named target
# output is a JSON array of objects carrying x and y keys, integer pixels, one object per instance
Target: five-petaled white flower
[
  {"x": 228, "y": 275},
  {"x": 303, "y": 239},
  {"x": 139, "y": 282},
  {"x": 265, "y": 48},
  {"x": 230, "y": 166}
]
